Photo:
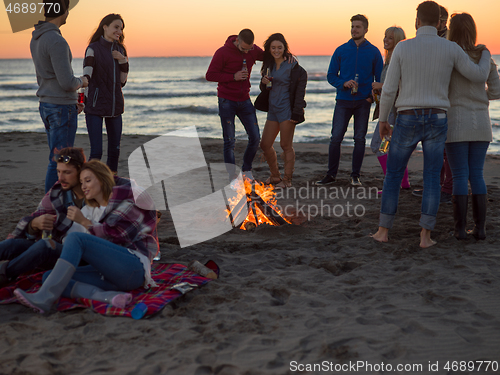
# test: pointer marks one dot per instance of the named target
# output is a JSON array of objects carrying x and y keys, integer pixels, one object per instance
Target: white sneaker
[{"x": 248, "y": 175}]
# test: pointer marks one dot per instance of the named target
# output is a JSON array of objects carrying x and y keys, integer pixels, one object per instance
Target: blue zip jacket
[{"x": 349, "y": 60}]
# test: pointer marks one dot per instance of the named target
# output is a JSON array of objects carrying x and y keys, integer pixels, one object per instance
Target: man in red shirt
[{"x": 231, "y": 67}]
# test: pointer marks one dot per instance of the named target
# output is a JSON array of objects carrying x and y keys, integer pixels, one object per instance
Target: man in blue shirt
[{"x": 353, "y": 68}]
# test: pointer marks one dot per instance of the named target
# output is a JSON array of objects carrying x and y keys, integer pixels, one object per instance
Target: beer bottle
[
  {"x": 269, "y": 85},
  {"x": 384, "y": 145},
  {"x": 354, "y": 90}
]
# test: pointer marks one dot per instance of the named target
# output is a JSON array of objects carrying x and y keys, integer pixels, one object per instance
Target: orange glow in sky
[{"x": 199, "y": 27}]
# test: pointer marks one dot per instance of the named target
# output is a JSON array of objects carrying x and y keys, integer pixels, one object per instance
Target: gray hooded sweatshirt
[{"x": 52, "y": 58}]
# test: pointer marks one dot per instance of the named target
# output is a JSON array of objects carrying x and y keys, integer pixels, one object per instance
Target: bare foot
[
  {"x": 382, "y": 235},
  {"x": 425, "y": 239}
]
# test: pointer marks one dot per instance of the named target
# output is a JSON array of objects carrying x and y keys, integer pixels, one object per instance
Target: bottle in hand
[
  {"x": 269, "y": 85},
  {"x": 384, "y": 146},
  {"x": 81, "y": 95},
  {"x": 354, "y": 89}
]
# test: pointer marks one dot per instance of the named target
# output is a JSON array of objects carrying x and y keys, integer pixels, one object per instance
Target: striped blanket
[{"x": 165, "y": 275}]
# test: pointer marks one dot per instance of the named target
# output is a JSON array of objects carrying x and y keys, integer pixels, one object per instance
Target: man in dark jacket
[
  {"x": 231, "y": 67},
  {"x": 57, "y": 84}
]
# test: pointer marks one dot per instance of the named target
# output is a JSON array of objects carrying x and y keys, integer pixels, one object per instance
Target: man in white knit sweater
[{"x": 420, "y": 68}]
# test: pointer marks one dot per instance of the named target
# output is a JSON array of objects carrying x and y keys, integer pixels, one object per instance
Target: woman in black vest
[{"x": 106, "y": 67}]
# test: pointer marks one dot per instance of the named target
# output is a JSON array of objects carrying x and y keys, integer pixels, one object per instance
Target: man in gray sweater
[
  {"x": 421, "y": 69},
  {"x": 57, "y": 84}
]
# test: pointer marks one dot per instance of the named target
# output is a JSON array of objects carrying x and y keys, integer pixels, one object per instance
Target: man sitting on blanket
[{"x": 25, "y": 249}]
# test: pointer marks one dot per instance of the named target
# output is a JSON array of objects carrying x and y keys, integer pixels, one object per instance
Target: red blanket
[{"x": 165, "y": 275}]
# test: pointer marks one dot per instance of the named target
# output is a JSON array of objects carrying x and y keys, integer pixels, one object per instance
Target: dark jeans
[
  {"x": 245, "y": 111},
  {"x": 60, "y": 123},
  {"x": 466, "y": 162},
  {"x": 113, "y": 129},
  {"x": 446, "y": 179},
  {"x": 26, "y": 255},
  {"x": 409, "y": 130},
  {"x": 111, "y": 266},
  {"x": 344, "y": 110}
]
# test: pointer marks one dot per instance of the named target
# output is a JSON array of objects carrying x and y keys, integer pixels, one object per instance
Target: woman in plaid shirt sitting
[{"x": 119, "y": 248}]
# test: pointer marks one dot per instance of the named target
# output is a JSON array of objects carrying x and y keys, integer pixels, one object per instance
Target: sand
[{"x": 315, "y": 297}]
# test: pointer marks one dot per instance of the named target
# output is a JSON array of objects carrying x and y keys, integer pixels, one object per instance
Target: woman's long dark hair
[
  {"x": 100, "y": 29},
  {"x": 268, "y": 58},
  {"x": 463, "y": 32}
]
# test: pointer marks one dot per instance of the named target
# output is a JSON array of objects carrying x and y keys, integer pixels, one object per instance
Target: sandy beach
[{"x": 318, "y": 296}]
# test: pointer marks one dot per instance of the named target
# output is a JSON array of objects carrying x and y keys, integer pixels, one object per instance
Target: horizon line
[
  {"x": 182, "y": 56},
  {"x": 152, "y": 57}
]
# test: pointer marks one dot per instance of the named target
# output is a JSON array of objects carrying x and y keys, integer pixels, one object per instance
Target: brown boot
[
  {"x": 272, "y": 161},
  {"x": 289, "y": 158}
]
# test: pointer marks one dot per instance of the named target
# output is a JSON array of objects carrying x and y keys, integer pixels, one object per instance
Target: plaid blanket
[{"x": 165, "y": 275}]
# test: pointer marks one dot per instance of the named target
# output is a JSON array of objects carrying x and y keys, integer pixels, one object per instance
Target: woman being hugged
[
  {"x": 119, "y": 249},
  {"x": 106, "y": 67},
  {"x": 469, "y": 130},
  {"x": 393, "y": 35},
  {"x": 285, "y": 105}
]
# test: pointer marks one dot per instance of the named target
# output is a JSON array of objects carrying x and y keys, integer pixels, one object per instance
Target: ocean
[{"x": 166, "y": 94}]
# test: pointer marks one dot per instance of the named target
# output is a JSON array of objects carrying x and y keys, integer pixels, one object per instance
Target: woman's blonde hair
[
  {"x": 104, "y": 176},
  {"x": 463, "y": 32},
  {"x": 399, "y": 35}
]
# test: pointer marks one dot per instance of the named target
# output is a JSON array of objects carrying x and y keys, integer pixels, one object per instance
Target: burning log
[
  {"x": 261, "y": 206},
  {"x": 269, "y": 210}
]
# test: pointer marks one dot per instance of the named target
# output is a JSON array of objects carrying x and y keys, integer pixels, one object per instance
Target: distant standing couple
[{"x": 231, "y": 67}]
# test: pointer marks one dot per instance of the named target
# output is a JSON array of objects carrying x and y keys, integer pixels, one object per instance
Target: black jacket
[
  {"x": 105, "y": 97},
  {"x": 298, "y": 82}
]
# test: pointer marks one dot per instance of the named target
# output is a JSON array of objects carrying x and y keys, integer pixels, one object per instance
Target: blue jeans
[
  {"x": 409, "y": 130},
  {"x": 344, "y": 110},
  {"x": 114, "y": 127},
  {"x": 27, "y": 255},
  {"x": 60, "y": 125},
  {"x": 111, "y": 266},
  {"x": 245, "y": 111},
  {"x": 466, "y": 161}
]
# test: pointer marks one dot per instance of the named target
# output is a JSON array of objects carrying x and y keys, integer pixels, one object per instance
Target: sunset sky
[{"x": 199, "y": 27}]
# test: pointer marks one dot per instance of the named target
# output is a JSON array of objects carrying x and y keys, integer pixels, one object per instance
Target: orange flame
[{"x": 268, "y": 195}]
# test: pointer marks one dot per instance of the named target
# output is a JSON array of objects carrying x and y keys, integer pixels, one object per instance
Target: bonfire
[{"x": 261, "y": 203}]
